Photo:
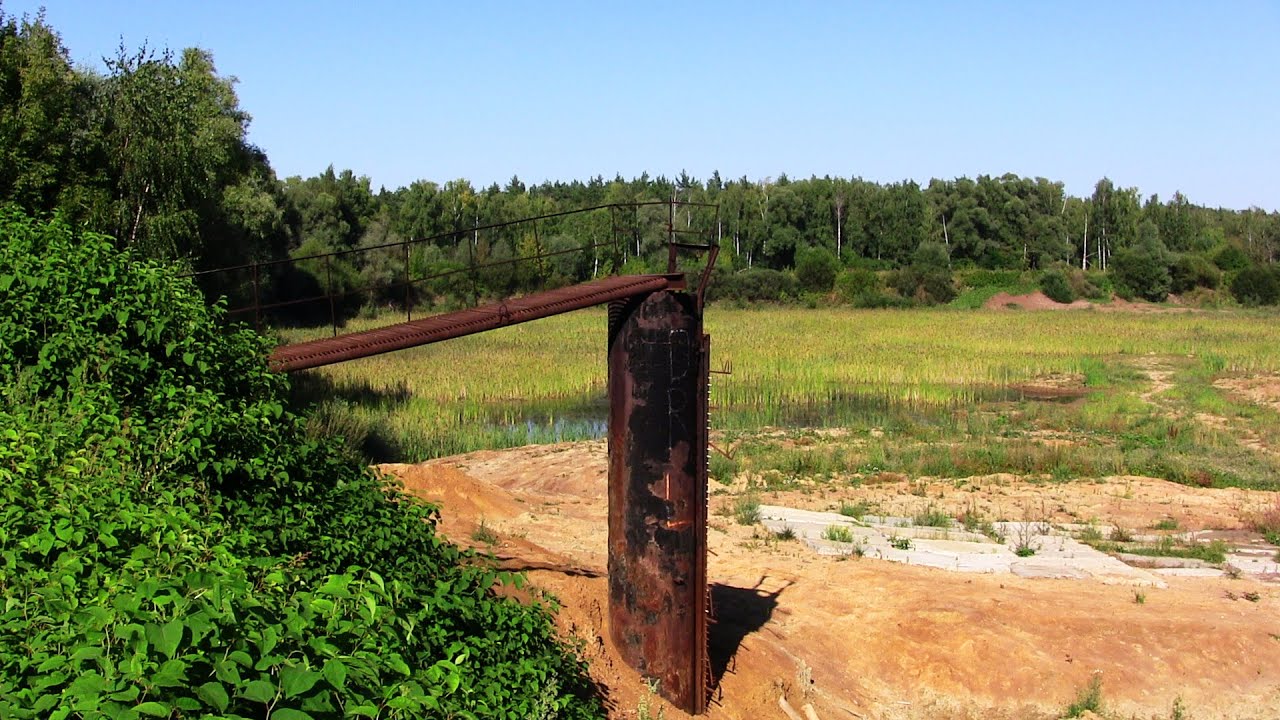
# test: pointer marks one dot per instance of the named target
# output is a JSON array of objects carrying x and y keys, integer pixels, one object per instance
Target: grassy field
[{"x": 924, "y": 392}]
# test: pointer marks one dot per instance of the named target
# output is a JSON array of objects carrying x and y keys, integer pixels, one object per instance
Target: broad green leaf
[
  {"x": 289, "y": 714},
  {"x": 170, "y": 637},
  {"x": 259, "y": 691},
  {"x": 335, "y": 673},
  {"x": 295, "y": 680},
  {"x": 214, "y": 694},
  {"x": 154, "y": 709}
]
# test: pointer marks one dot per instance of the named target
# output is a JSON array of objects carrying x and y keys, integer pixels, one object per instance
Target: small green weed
[
  {"x": 932, "y": 517},
  {"x": 1166, "y": 524},
  {"x": 1090, "y": 534},
  {"x": 786, "y": 533},
  {"x": 484, "y": 534},
  {"x": 722, "y": 469},
  {"x": 837, "y": 533},
  {"x": 900, "y": 543},
  {"x": 857, "y": 510},
  {"x": 1089, "y": 699},
  {"x": 746, "y": 509}
]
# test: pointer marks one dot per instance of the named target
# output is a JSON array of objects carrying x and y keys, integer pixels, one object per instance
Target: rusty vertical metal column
[{"x": 657, "y": 492}]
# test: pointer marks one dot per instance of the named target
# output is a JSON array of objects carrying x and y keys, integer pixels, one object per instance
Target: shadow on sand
[{"x": 738, "y": 612}]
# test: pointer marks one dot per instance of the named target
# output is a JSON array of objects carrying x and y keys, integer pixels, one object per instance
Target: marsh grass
[{"x": 926, "y": 393}]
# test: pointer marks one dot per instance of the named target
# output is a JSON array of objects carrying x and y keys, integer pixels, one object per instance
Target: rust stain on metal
[
  {"x": 657, "y": 492},
  {"x": 301, "y": 356}
]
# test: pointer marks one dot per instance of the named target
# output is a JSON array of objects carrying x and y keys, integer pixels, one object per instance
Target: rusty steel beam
[
  {"x": 657, "y": 492},
  {"x": 301, "y": 356}
]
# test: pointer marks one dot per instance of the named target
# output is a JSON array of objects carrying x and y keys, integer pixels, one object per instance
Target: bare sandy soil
[
  {"x": 1039, "y": 301},
  {"x": 866, "y": 638}
]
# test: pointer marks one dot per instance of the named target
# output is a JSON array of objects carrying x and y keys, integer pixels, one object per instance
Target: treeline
[{"x": 154, "y": 152}]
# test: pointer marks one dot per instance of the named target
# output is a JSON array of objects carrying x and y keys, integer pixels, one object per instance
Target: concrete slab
[{"x": 956, "y": 550}]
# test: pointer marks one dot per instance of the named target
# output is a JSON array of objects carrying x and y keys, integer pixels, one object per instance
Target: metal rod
[
  {"x": 333, "y": 312},
  {"x": 671, "y": 236},
  {"x": 257, "y": 311}
]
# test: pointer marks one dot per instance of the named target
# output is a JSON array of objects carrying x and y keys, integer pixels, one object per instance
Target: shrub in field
[
  {"x": 990, "y": 278},
  {"x": 816, "y": 269},
  {"x": 1055, "y": 285},
  {"x": 1258, "y": 285},
  {"x": 927, "y": 286},
  {"x": 1230, "y": 258},
  {"x": 1142, "y": 270},
  {"x": 173, "y": 542},
  {"x": 754, "y": 285},
  {"x": 1193, "y": 271},
  {"x": 855, "y": 282},
  {"x": 872, "y": 300}
]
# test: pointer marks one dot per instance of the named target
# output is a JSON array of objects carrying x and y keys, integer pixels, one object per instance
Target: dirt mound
[
  {"x": 1032, "y": 301},
  {"x": 1039, "y": 301},
  {"x": 867, "y": 638},
  {"x": 464, "y": 501}
]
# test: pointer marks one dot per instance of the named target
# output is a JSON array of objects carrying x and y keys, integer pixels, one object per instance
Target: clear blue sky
[{"x": 1164, "y": 96}]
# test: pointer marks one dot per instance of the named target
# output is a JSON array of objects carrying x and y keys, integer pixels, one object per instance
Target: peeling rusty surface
[
  {"x": 657, "y": 492},
  {"x": 301, "y": 356}
]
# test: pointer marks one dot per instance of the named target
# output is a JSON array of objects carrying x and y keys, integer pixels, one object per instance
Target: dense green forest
[
  {"x": 153, "y": 151},
  {"x": 174, "y": 540}
]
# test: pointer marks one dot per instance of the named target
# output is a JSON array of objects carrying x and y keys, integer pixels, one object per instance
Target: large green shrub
[
  {"x": 1056, "y": 285},
  {"x": 1257, "y": 285},
  {"x": 174, "y": 544},
  {"x": 1230, "y": 258},
  {"x": 927, "y": 286},
  {"x": 1193, "y": 271},
  {"x": 1143, "y": 270},
  {"x": 754, "y": 285},
  {"x": 816, "y": 269},
  {"x": 856, "y": 282}
]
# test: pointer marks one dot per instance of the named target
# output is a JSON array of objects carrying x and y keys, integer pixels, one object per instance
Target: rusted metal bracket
[{"x": 658, "y": 380}]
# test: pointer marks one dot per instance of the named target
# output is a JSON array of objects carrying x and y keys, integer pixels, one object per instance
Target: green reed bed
[{"x": 940, "y": 386}]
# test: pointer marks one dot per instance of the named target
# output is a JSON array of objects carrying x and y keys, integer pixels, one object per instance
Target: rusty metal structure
[
  {"x": 326, "y": 351},
  {"x": 658, "y": 370}
]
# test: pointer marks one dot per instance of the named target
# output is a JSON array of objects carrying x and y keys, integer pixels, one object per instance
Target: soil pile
[{"x": 866, "y": 638}]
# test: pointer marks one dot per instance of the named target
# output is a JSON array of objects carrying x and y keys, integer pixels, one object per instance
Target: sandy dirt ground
[
  {"x": 1039, "y": 301},
  {"x": 866, "y": 638}
]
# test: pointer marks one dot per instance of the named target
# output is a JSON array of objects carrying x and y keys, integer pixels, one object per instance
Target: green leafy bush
[
  {"x": 990, "y": 278},
  {"x": 1142, "y": 270},
  {"x": 855, "y": 282},
  {"x": 1230, "y": 258},
  {"x": 174, "y": 543},
  {"x": 1257, "y": 285},
  {"x": 816, "y": 269},
  {"x": 925, "y": 285},
  {"x": 1057, "y": 287},
  {"x": 1193, "y": 271},
  {"x": 754, "y": 285}
]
